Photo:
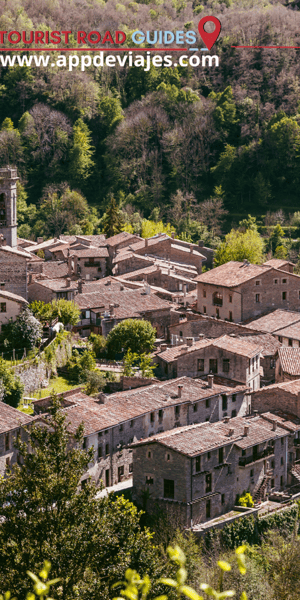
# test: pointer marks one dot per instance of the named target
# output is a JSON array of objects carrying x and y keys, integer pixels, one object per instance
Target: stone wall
[
  {"x": 13, "y": 273},
  {"x": 32, "y": 375}
]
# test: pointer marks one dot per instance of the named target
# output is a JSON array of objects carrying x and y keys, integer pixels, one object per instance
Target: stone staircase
[
  {"x": 295, "y": 471},
  {"x": 260, "y": 491}
]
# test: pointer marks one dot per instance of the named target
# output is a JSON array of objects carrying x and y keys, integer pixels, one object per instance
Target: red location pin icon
[{"x": 209, "y": 38}]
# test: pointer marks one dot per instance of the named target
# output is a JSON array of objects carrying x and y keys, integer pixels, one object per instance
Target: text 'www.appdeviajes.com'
[{"x": 85, "y": 61}]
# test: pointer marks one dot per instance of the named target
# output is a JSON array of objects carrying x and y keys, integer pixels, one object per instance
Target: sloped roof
[
  {"x": 10, "y": 296},
  {"x": 11, "y": 418},
  {"x": 128, "y": 303},
  {"x": 232, "y": 274},
  {"x": 274, "y": 321},
  {"x": 290, "y": 360},
  {"x": 90, "y": 252},
  {"x": 234, "y": 345},
  {"x": 292, "y": 331}
]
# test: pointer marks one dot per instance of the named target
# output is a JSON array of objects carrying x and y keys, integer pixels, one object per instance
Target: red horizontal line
[
  {"x": 93, "y": 49},
  {"x": 265, "y": 46}
]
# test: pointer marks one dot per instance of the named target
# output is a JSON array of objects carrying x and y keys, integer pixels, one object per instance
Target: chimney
[
  {"x": 210, "y": 380},
  {"x": 230, "y": 432},
  {"x": 111, "y": 310},
  {"x": 122, "y": 288},
  {"x": 201, "y": 336},
  {"x": 163, "y": 347},
  {"x": 191, "y": 249},
  {"x": 40, "y": 240},
  {"x": 246, "y": 430},
  {"x": 80, "y": 286},
  {"x": 190, "y": 341},
  {"x": 146, "y": 242},
  {"x": 68, "y": 281},
  {"x": 274, "y": 425},
  {"x": 255, "y": 412},
  {"x": 172, "y": 235},
  {"x": 201, "y": 244},
  {"x": 183, "y": 349},
  {"x": 180, "y": 391},
  {"x": 226, "y": 419}
]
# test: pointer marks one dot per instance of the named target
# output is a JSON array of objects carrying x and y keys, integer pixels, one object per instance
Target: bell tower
[{"x": 8, "y": 205}]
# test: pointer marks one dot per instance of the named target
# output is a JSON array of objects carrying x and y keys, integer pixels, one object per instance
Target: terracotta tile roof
[
  {"x": 292, "y": 387},
  {"x": 285, "y": 420},
  {"x": 46, "y": 244},
  {"x": 277, "y": 263},
  {"x": 129, "y": 254},
  {"x": 9, "y": 250},
  {"x": 57, "y": 284},
  {"x": 128, "y": 303},
  {"x": 54, "y": 269},
  {"x": 290, "y": 360},
  {"x": 234, "y": 345},
  {"x": 197, "y": 439},
  {"x": 292, "y": 331},
  {"x": 268, "y": 343},
  {"x": 10, "y": 418},
  {"x": 10, "y": 296},
  {"x": 25, "y": 243},
  {"x": 91, "y": 251},
  {"x": 119, "y": 238},
  {"x": 232, "y": 274},
  {"x": 274, "y": 321},
  {"x": 153, "y": 241},
  {"x": 143, "y": 271},
  {"x": 128, "y": 405},
  {"x": 97, "y": 240}
]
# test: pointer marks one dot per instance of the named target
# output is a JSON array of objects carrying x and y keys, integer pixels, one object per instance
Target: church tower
[{"x": 8, "y": 205}]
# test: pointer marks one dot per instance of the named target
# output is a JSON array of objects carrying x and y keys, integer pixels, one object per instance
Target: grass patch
[{"x": 58, "y": 385}]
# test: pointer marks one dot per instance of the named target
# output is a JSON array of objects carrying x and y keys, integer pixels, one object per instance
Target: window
[
  {"x": 281, "y": 480},
  {"x": 107, "y": 478},
  {"x": 160, "y": 414},
  {"x": 2, "y": 285},
  {"x": 168, "y": 457},
  {"x": 7, "y": 461},
  {"x": 180, "y": 333},
  {"x": 282, "y": 441},
  {"x": 230, "y": 316},
  {"x": 106, "y": 432},
  {"x": 252, "y": 473},
  {"x": 204, "y": 310},
  {"x": 106, "y": 449},
  {"x": 131, "y": 423},
  {"x": 243, "y": 452},
  {"x": 273, "y": 464},
  {"x": 213, "y": 365},
  {"x": 3, "y": 307},
  {"x": 195, "y": 407},
  {"x": 284, "y": 280},
  {"x": 99, "y": 451},
  {"x": 233, "y": 413},
  {"x": 200, "y": 364},
  {"x": 208, "y": 482},
  {"x": 7, "y": 441},
  {"x": 221, "y": 456},
  {"x": 257, "y": 282},
  {"x": 272, "y": 483},
  {"x": 226, "y": 365},
  {"x": 217, "y": 299},
  {"x": 208, "y": 509},
  {"x": 208, "y": 455},
  {"x": 230, "y": 298},
  {"x": 280, "y": 338},
  {"x": 233, "y": 397},
  {"x": 275, "y": 281},
  {"x": 169, "y": 488},
  {"x": 206, "y": 419},
  {"x": 290, "y": 342},
  {"x": 272, "y": 363},
  {"x": 224, "y": 402},
  {"x": 281, "y": 460},
  {"x": 177, "y": 411},
  {"x": 284, "y": 294},
  {"x": 149, "y": 454},
  {"x": 99, "y": 434},
  {"x": 257, "y": 297},
  {"x": 131, "y": 468},
  {"x": 198, "y": 464},
  {"x": 121, "y": 428},
  {"x": 204, "y": 293},
  {"x": 207, "y": 403},
  {"x": 120, "y": 473},
  {"x": 152, "y": 417},
  {"x": 149, "y": 480}
]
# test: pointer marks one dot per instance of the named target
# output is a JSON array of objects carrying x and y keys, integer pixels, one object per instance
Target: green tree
[
  {"x": 239, "y": 246},
  {"x": 24, "y": 332},
  {"x": 44, "y": 513},
  {"x": 134, "y": 334},
  {"x": 145, "y": 365},
  {"x": 41, "y": 310},
  {"x": 112, "y": 222},
  {"x": 130, "y": 360},
  {"x": 275, "y": 238},
  {"x": 81, "y": 162},
  {"x": 98, "y": 343},
  {"x": 66, "y": 311},
  {"x": 95, "y": 382},
  {"x": 11, "y": 388}
]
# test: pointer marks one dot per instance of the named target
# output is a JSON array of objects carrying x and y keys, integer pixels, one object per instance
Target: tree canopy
[{"x": 136, "y": 335}]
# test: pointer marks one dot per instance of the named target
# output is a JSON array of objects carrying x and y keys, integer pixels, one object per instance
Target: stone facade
[
  {"x": 283, "y": 396},
  {"x": 13, "y": 271},
  {"x": 12, "y": 422},
  {"x": 199, "y": 485},
  {"x": 10, "y": 307},
  {"x": 8, "y": 205}
]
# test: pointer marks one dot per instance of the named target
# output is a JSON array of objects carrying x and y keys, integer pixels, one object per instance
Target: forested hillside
[{"x": 170, "y": 138}]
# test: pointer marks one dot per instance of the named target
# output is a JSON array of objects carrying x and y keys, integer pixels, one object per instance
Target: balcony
[
  {"x": 217, "y": 299},
  {"x": 92, "y": 264},
  {"x": 247, "y": 460},
  {"x": 297, "y": 442}
]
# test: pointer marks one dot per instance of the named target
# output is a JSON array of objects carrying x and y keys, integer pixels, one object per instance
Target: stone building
[
  {"x": 115, "y": 421},
  {"x": 230, "y": 357},
  {"x": 10, "y": 306},
  {"x": 14, "y": 270},
  {"x": 283, "y": 396},
  {"x": 161, "y": 277},
  {"x": 11, "y": 426},
  {"x": 52, "y": 289},
  {"x": 288, "y": 364},
  {"x": 198, "y": 471},
  {"x": 238, "y": 291},
  {"x": 88, "y": 263},
  {"x": 8, "y": 205}
]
